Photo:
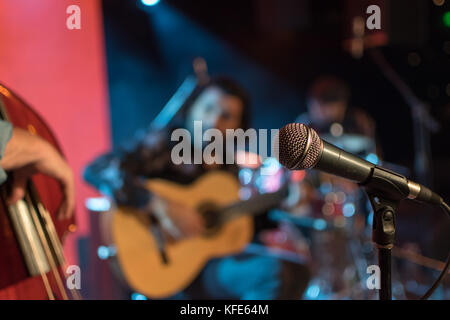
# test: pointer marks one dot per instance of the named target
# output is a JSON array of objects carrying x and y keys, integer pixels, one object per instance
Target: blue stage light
[
  {"x": 313, "y": 291},
  {"x": 245, "y": 175},
  {"x": 319, "y": 224},
  {"x": 138, "y": 296},
  {"x": 103, "y": 252},
  {"x": 99, "y": 204},
  {"x": 372, "y": 157},
  {"x": 348, "y": 210},
  {"x": 150, "y": 2}
]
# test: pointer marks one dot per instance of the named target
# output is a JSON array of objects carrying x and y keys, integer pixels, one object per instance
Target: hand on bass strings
[{"x": 26, "y": 154}]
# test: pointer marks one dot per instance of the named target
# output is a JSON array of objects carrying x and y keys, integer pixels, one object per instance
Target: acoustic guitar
[{"x": 215, "y": 195}]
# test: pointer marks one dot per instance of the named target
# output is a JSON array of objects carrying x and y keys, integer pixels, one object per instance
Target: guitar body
[{"x": 137, "y": 253}]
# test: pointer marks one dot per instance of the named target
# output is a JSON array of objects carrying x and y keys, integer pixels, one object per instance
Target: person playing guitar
[{"x": 221, "y": 104}]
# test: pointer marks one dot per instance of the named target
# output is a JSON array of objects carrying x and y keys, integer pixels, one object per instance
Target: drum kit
[
  {"x": 326, "y": 220},
  {"x": 325, "y": 223}
]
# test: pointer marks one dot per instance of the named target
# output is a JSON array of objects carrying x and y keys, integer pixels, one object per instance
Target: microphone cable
[{"x": 444, "y": 272}]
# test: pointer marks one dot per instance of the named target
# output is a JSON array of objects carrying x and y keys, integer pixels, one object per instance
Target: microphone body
[
  {"x": 336, "y": 161},
  {"x": 300, "y": 147}
]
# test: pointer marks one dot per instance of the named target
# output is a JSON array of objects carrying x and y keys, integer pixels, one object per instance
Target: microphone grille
[{"x": 293, "y": 150}]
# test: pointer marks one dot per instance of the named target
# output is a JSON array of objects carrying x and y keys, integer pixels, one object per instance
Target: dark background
[{"x": 275, "y": 49}]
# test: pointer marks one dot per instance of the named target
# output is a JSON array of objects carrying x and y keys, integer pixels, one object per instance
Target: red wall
[{"x": 61, "y": 73}]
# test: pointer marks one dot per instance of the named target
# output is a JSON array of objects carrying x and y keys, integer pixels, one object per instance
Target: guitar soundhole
[{"x": 211, "y": 217}]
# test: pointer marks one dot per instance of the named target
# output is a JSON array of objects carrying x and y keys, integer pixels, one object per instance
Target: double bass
[{"x": 32, "y": 264}]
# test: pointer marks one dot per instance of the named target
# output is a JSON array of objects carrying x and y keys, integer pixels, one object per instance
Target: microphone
[{"x": 300, "y": 147}]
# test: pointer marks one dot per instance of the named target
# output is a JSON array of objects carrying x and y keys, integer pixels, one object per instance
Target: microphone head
[{"x": 299, "y": 146}]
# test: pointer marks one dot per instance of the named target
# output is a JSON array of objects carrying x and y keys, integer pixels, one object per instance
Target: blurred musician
[
  {"x": 328, "y": 105},
  {"x": 222, "y": 104},
  {"x": 329, "y": 197},
  {"x": 350, "y": 128}
]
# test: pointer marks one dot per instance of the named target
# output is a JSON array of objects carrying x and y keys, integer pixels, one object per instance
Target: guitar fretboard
[{"x": 253, "y": 206}]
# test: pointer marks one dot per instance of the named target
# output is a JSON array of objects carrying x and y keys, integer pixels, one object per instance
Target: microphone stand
[
  {"x": 383, "y": 235},
  {"x": 423, "y": 122}
]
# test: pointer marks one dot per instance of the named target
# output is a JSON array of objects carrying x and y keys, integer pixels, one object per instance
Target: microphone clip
[
  {"x": 383, "y": 236},
  {"x": 383, "y": 226}
]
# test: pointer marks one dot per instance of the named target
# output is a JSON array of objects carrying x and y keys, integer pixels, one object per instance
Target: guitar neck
[{"x": 253, "y": 206}]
